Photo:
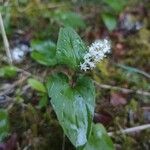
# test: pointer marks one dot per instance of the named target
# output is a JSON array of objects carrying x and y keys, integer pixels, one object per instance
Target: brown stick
[
  {"x": 131, "y": 130},
  {"x": 5, "y": 40},
  {"x": 124, "y": 90},
  {"x": 20, "y": 81}
]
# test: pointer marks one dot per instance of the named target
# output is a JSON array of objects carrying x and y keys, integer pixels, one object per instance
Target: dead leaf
[
  {"x": 117, "y": 99},
  {"x": 103, "y": 118}
]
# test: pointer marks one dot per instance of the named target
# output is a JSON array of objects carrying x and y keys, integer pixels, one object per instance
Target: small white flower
[
  {"x": 84, "y": 67},
  {"x": 97, "y": 51}
]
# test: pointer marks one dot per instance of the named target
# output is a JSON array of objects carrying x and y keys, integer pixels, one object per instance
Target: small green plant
[
  {"x": 4, "y": 125},
  {"x": 38, "y": 86},
  {"x": 109, "y": 11},
  {"x": 72, "y": 92},
  {"x": 8, "y": 72}
]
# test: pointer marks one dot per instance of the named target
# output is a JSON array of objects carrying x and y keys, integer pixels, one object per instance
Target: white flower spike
[{"x": 97, "y": 51}]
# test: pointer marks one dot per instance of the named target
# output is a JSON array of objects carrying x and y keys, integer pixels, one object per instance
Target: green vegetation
[{"x": 48, "y": 101}]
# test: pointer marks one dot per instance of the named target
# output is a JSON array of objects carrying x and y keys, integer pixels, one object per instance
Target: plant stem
[
  {"x": 63, "y": 142},
  {"x": 5, "y": 40}
]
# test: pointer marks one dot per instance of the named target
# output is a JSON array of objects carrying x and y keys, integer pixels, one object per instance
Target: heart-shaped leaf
[
  {"x": 99, "y": 140},
  {"x": 74, "y": 106},
  {"x": 44, "y": 52},
  {"x": 70, "y": 48}
]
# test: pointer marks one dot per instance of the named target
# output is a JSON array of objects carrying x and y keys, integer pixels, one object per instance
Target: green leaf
[
  {"x": 116, "y": 5},
  {"x": 43, "y": 101},
  {"x": 70, "y": 48},
  {"x": 4, "y": 125},
  {"x": 99, "y": 140},
  {"x": 37, "y": 85},
  {"x": 44, "y": 52},
  {"x": 8, "y": 72},
  {"x": 110, "y": 21},
  {"x": 71, "y": 19},
  {"x": 74, "y": 106}
]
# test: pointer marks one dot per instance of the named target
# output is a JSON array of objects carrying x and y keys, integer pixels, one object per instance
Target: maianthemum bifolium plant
[{"x": 73, "y": 96}]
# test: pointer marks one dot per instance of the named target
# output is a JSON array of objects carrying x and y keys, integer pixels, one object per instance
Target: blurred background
[{"x": 31, "y": 23}]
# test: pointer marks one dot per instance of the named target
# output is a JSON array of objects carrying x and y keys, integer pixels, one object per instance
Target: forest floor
[{"x": 122, "y": 79}]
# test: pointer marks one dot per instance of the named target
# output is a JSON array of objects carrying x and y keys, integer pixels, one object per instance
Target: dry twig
[
  {"x": 131, "y": 130},
  {"x": 11, "y": 87},
  {"x": 124, "y": 90},
  {"x": 5, "y": 40}
]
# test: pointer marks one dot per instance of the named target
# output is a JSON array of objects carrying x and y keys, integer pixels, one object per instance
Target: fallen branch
[
  {"x": 40, "y": 6},
  {"x": 124, "y": 90},
  {"x": 5, "y": 40},
  {"x": 6, "y": 102},
  {"x": 136, "y": 70},
  {"x": 130, "y": 130},
  {"x": 11, "y": 87}
]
